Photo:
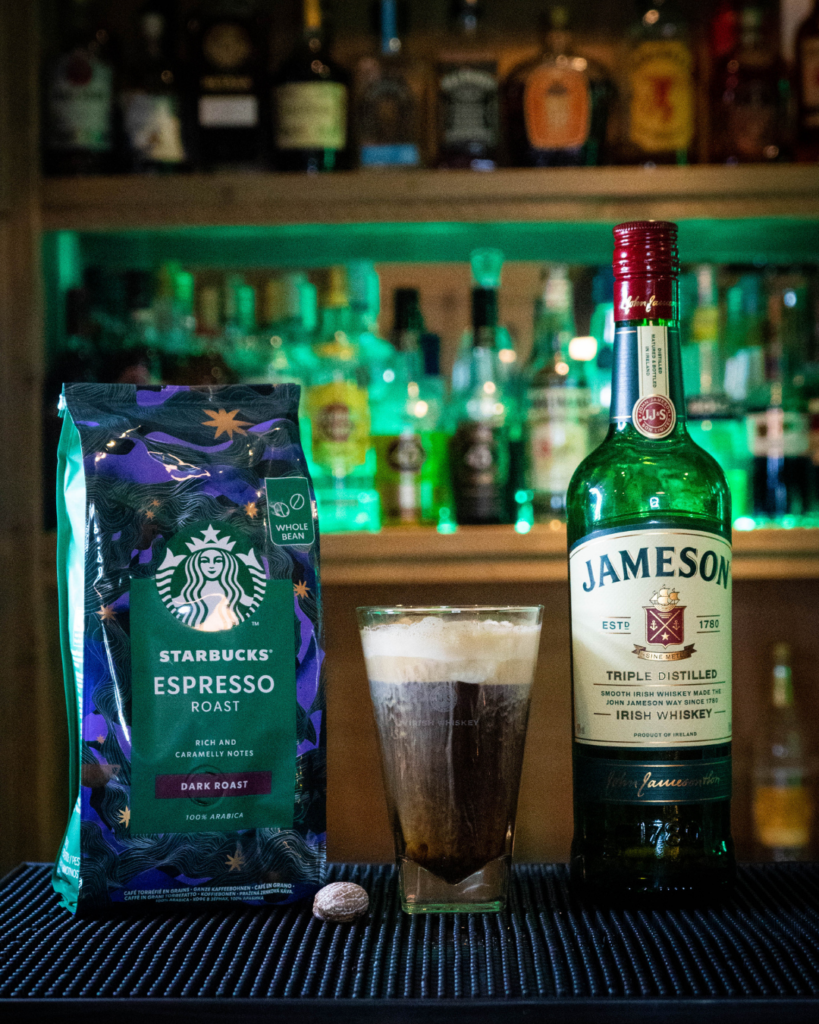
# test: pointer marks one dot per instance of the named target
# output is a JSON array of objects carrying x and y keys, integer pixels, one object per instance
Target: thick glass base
[{"x": 425, "y": 893}]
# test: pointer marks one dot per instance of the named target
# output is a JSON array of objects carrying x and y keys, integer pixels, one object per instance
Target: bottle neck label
[
  {"x": 647, "y": 380},
  {"x": 651, "y": 637}
]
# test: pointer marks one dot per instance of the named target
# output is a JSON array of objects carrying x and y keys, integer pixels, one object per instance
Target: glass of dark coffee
[{"x": 450, "y": 689}]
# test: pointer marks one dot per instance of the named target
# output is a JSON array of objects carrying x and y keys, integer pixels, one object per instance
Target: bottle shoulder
[{"x": 628, "y": 480}]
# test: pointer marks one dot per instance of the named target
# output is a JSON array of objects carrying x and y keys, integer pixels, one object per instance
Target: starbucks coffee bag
[{"x": 191, "y": 631}]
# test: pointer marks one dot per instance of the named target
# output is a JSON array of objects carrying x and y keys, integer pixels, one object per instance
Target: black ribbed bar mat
[{"x": 550, "y": 957}]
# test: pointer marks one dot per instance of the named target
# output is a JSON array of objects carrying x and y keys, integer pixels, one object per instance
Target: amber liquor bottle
[
  {"x": 657, "y": 94},
  {"x": 649, "y": 532},
  {"x": 556, "y": 105}
]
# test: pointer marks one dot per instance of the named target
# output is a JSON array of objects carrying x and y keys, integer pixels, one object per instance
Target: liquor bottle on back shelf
[
  {"x": 649, "y": 533},
  {"x": 658, "y": 96},
  {"x": 229, "y": 54},
  {"x": 339, "y": 411},
  {"x": 777, "y": 430},
  {"x": 468, "y": 119},
  {"x": 390, "y": 97},
  {"x": 558, "y": 399},
  {"x": 556, "y": 104},
  {"x": 150, "y": 99},
  {"x": 410, "y": 447},
  {"x": 807, "y": 87},
  {"x": 783, "y": 801},
  {"x": 79, "y": 95},
  {"x": 749, "y": 98},
  {"x": 715, "y": 421},
  {"x": 310, "y": 99},
  {"x": 479, "y": 449}
]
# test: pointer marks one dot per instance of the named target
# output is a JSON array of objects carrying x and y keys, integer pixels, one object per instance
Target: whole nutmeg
[{"x": 340, "y": 902}]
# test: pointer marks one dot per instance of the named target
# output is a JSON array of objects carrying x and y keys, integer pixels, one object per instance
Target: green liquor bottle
[
  {"x": 649, "y": 532},
  {"x": 409, "y": 444},
  {"x": 559, "y": 399}
]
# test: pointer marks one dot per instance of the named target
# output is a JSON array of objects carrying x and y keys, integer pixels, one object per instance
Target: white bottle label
[
  {"x": 651, "y": 638},
  {"x": 558, "y": 435},
  {"x": 653, "y": 414},
  {"x": 228, "y": 111}
]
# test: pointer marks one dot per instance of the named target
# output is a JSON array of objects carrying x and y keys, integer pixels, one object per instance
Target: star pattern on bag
[
  {"x": 235, "y": 862},
  {"x": 225, "y": 422}
]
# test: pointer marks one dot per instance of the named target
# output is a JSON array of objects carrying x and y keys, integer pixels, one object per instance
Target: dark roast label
[{"x": 652, "y": 782}]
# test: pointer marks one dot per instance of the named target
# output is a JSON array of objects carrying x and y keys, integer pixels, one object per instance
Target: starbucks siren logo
[{"x": 207, "y": 584}]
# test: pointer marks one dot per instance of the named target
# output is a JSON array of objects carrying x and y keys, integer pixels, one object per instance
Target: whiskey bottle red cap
[{"x": 646, "y": 268}]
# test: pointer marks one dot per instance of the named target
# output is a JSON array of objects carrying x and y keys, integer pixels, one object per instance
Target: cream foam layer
[{"x": 442, "y": 650}]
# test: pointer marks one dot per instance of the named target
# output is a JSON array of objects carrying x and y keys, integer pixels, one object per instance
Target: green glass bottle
[{"x": 649, "y": 531}]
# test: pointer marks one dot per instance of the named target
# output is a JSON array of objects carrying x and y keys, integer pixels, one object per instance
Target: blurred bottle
[
  {"x": 244, "y": 349},
  {"x": 228, "y": 47},
  {"x": 150, "y": 98},
  {"x": 479, "y": 448},
  {"x": 377, "y": 354},
  {"x": 487, "y": 268},
  {"x": 807, "y": 87},
  {"x": 601, "y": 329},
  {"x": 174, "y": 310},
  {"x": 658, "y": 95},
  {"x": 390, "y": 97},
  {"x": 409, "y": 444},
  {"x": 79, "y": 95},
  {"x": 290, "y": 315},
  {"x": 715, "y": 422},
  {"x": 556, "y": 104},
  {"x": 338, "y": 407},
  {"x": 311, "y": 100},
  {"x": 202, "y": 362},
  {"x": 783, "y": 800},
  {"x": 744, "y": 337},
  {"x": 467, "y": 77},
  {"x": 777, "y": 426},
  {"x": 724, "y": 30},
  {"x": 749, "y": 98},
  {"x": 558, "y": 398}
]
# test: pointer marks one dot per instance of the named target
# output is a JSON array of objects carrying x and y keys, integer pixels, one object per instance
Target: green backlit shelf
[{"x": 727, "y": 214}]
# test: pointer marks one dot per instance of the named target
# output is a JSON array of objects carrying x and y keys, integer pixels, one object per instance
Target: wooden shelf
[
  {"x": 600, "y": 194},
  {"x": 498, "y": 554}
]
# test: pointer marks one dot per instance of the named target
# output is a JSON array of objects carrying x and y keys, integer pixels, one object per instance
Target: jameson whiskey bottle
[
  {"x": 311, "y": 99},
  {"x": 659, "y": 90},
  {"x": 649, "y": 531}
]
